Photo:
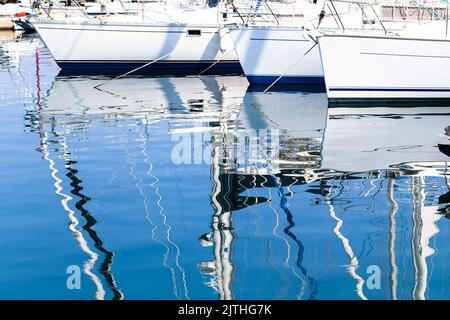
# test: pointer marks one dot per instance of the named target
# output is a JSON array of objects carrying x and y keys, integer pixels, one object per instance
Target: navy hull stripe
[
  {"x": 286, "y": 79},
  {"x": 393, "y": 89},
  {"x": 158, "y": 68}
]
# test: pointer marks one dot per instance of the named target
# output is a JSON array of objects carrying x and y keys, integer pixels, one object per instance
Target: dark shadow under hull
[{"x": 115, "y": 68}]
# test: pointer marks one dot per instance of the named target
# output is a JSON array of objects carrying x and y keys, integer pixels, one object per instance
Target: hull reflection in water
[
  {"x": 382, "y": 136},
  {"x": 158, "y": 98},
  {"x": 206, "y": 190}
]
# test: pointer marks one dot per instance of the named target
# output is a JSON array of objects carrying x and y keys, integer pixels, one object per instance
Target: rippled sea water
[{"x": 203, "y": 188}]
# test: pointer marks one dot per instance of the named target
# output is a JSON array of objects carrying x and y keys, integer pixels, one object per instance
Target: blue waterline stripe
[
  {"x": 404, "y": 55},
  {"x": 393, "y": 89},
  {"x": 383, "y": 38}
]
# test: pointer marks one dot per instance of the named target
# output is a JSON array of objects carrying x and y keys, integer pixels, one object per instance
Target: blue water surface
[{"x": 203, "y": 188}]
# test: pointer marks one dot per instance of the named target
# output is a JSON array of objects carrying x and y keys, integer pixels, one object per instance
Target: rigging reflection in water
[
  {"x": 171, "y": 259},
  {"x": 287, "y": 155},
  {"x": 393, "y": 274},
  {"x": 221, "y": 268},
  {"x": 424, "y": 222},
  {"x": 353, "y": 263}
]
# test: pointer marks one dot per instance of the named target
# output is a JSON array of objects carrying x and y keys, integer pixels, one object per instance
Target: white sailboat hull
[
  {"x": 364, "y": 67},
  {"x": 266, "y": 53},
  {"x": 174, "y": 48}
]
